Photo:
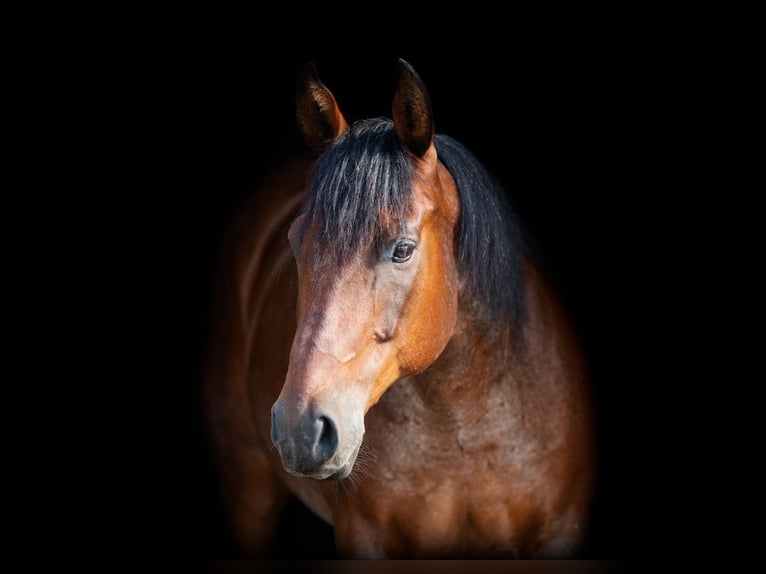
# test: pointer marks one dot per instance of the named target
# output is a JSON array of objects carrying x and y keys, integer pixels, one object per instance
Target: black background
[{"x": 579, "y": 116}]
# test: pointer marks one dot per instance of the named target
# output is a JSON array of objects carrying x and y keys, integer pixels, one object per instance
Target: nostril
[
  {"x": 327, "y": 441},
  {"x": 274, "y": 435}
]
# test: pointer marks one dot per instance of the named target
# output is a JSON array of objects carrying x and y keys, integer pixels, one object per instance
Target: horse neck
[
  {"x": 481, "y": 356},
  {"x": 533, "y": 373}
]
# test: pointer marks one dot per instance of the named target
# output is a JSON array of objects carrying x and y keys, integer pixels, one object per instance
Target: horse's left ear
[{"x": 412, "y": 115}]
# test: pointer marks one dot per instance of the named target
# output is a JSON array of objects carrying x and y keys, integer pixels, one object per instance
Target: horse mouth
[
  {"x": 343, "y": 473},
  {"x": 331, "y": 474},
  {"x": 336, "y": 473}
]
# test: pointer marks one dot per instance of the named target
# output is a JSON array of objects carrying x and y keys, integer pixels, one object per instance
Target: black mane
[
  {"x": 367, "y": 172},
  {"x": 490, "y": 240}
]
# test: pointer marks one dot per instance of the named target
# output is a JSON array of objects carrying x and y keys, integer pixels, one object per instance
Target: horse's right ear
[{"x": 319, "y": 117}]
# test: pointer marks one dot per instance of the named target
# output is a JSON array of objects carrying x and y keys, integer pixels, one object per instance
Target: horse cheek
[{"x": 433, "y": 311}]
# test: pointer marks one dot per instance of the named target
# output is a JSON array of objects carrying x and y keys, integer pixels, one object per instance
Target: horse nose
[{"x": 312, "y": 441}]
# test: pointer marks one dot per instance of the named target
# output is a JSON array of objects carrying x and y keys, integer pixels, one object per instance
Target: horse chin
[
  {"x": 346, "y": 469},
  {"x": 342, "y": 474}
]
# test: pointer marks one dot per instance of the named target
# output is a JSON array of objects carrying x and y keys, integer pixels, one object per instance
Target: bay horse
[{"x": 386, "y": 349}]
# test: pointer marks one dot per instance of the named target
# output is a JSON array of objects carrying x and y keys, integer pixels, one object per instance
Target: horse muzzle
[{"x": 315, "y": 444}]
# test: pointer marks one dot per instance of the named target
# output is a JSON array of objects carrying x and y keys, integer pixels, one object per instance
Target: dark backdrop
[{"x": 572, "y": 115}]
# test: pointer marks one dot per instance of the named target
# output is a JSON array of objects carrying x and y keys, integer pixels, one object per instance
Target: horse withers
[{"x": 386, "y": 350}]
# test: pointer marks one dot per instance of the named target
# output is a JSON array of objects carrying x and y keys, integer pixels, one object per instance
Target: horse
[{"x": 387, "y": 349}]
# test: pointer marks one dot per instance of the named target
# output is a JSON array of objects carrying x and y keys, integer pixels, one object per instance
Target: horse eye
[{"x": 402, "y": 251}]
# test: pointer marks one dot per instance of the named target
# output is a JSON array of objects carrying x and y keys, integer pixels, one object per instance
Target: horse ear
[
  {"x": 319, "y": 117},
  {"x": 412, "y": 115}
]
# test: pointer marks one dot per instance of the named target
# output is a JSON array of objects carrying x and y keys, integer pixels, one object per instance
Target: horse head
[{"x": 378, "y": 281}]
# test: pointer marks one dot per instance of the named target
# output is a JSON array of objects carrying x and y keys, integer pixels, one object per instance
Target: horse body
[{"x": 381, "y": 394}]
